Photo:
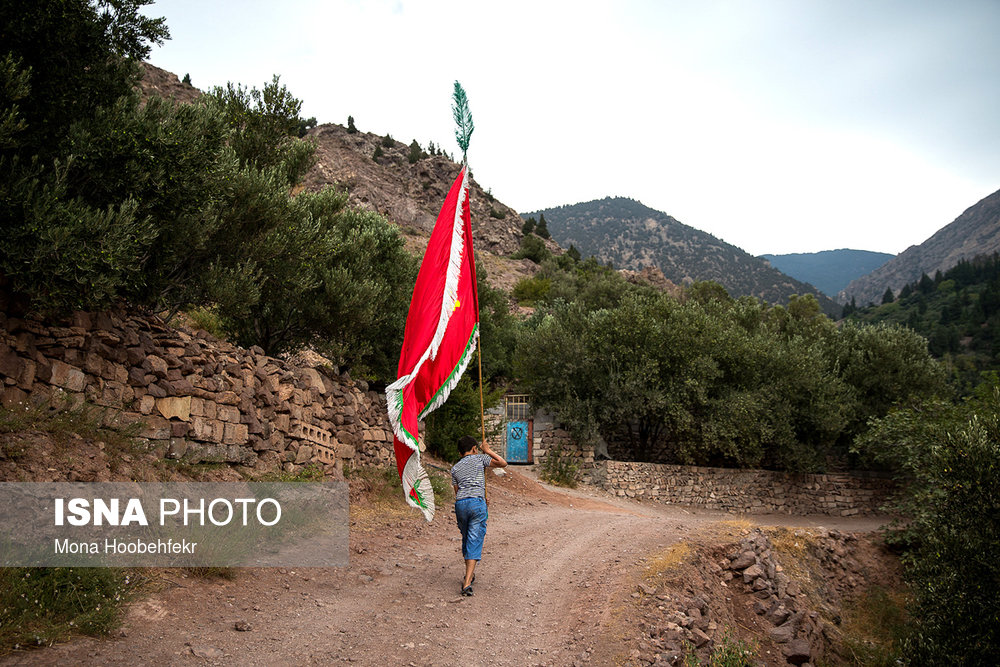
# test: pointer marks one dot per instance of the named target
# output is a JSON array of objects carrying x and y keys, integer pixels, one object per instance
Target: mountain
[
  {"x": 156, "y": 81},
  {"x": 829, "y": 270},
  {"x": 633, "y": 236},
  {"x": 975, "y": 232},
  {"x": 409, "y": 194}
]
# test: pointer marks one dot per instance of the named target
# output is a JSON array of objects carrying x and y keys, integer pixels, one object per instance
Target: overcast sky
[{"x": 776, "y": 125}]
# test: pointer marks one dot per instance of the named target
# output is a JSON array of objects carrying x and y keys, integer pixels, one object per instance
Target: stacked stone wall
[
  {"x": 194, "y": 397},
  {"x": 749, "y": 491}
]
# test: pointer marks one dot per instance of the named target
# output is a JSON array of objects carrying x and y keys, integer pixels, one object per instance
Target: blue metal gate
[
  {"x": 517, "y": 442},
  {"x": 517, "y": 436}
]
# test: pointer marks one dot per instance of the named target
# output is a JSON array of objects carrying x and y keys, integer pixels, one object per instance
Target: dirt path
[{"x": 556, "y": 569}]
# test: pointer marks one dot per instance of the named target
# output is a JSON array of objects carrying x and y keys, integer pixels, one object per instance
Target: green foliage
[
  {"x": 709, "y": 380},
  {"x": 528, "y": 226},
  {"x": 959, "y": 314},
  {"x": 179, "y": 206},
  {"x": 888, "y": 297},
  {"x": 533, "y": 248},
  {"x": 331, "y": 277},
  {"x": 496, "y": 214},
  {"x": 415, "y": 153},
  {"x": 573, "y": 253},
  {"x": 542, "y": 228},
  {"x": 82, "y": 56},
  {"x": 559, "y": 468},
  {"x": 40, "y": 606},
  {"x": 351, "y": 128},
  {"x": 733, "y": 652},
  {"x": 207, "y": 319},
  {"x": 388, "y": 141},
  {"x": 305, "y": 124},
  {"x": 883, "y": 366},
  {"x": 529, "y": 290},
  {"x": 186, "y": 80},
  {"x": 264, "y": 128},
  {"x": 378, "y": 154},
  {"x": 951, "y": 455}
]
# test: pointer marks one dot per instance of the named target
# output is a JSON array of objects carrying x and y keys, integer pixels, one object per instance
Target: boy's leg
[{"x": 470, "y": 569}]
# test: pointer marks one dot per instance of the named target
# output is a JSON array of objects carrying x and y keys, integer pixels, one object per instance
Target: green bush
[
  {"x": 528, "y": 291},
  {"x": 40, "y": 606},
  {"x": 415, "y": 153},
  {"x": 951, "y": 504},
  {"x": 532, "y": 248},
  {"x": 560, "y": 468}
]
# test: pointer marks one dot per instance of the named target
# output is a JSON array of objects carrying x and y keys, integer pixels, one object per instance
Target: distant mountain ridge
[
  {"x": 633, "y": 236},
  {"x": 976, "y": 232},
  {"x": 829, "y": 270}
]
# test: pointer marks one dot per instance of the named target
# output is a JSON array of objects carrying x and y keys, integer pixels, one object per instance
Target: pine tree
[
  {"x": 888, "y": 297},
  {"x": 542, "y": 228},
  {"x": 529, "y": 226},
  {"x": 351, "y": 129},
  {"x": 415, "y": 152}
]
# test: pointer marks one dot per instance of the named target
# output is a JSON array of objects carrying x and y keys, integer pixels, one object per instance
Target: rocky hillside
[
  {"x": 975, "y": 232},
  {"x": 156, "y": 81},
  {"x": 408, "y": 194},
  {"x": 829, "y": 270},
  {"x": 633, "y": 236}
]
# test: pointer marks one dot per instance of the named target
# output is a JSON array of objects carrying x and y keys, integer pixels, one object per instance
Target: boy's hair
[{"x": 466, "y": 443}]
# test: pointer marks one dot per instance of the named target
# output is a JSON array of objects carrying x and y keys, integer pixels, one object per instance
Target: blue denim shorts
[{"x": 472, "y": 514}]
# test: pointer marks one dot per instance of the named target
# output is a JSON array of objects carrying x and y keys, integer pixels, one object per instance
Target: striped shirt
[{"x": 470, "y": 477}]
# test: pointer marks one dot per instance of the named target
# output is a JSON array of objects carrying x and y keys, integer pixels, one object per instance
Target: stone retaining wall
[
  {"x": 196, "y": 398},
  {"x": 750, "y": 491}
]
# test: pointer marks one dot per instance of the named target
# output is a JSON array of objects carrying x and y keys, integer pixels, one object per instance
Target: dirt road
[{"x": 557, "y": 569}]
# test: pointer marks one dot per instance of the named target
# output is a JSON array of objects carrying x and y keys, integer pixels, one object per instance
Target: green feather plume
[{"x": 463, "y": 120}]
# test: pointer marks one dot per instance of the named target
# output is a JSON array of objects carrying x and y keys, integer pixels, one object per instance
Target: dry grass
[
  {"x": 792, "y": 547},
  {"x": 377, "y": 498},
  {"x": 668, "y": 560},
  {"x": 873, "y": 627},
  {"x": 735, "y": 527}
]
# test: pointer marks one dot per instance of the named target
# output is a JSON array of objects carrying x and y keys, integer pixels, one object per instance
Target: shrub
[
  {"x": 415, "y": 153},
  {"x": 532, "y": 248},
  {"x": 559, "y": 468},
  {"x": 39, "y": 606},
  {"x": 528, "y": 291},
  {"x": 951, "y": 454}
]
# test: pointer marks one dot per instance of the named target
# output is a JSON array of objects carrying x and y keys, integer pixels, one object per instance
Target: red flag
[{"x": 442, "y": 329}]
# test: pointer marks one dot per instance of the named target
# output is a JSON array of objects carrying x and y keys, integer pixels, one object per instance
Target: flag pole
[{"x": 463, "y": 132}]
